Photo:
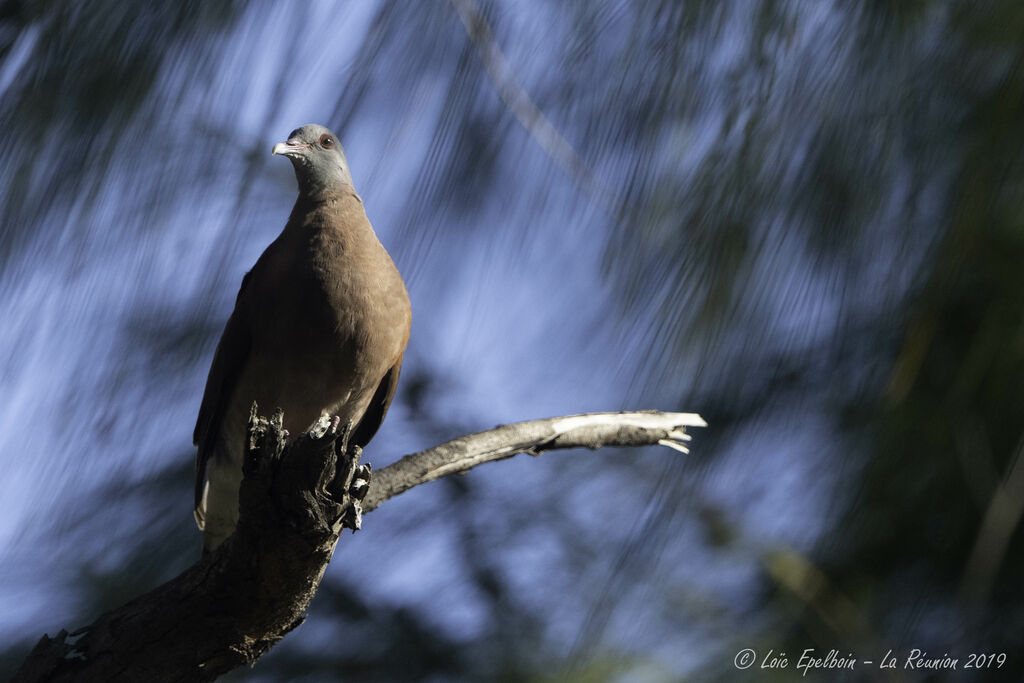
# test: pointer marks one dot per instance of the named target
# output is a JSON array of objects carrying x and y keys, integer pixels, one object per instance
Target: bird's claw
[
  {"x": 352, "y": 518},
  {"x": 341, "y": 443},
  {"x": 360, "y": 481}
]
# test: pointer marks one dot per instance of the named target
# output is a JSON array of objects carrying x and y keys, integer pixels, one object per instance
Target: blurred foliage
[{"x": 810, "y": 218}]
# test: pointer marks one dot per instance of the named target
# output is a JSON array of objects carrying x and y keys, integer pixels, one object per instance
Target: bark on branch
[{"x": 237, "y": 602}]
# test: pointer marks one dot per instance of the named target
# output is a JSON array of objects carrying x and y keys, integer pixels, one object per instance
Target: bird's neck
[
  {"x": 337, "y": 216},
  {"x": 337, "y": 193}
]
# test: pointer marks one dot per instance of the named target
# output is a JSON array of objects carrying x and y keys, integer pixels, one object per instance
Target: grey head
[{"x": 318, "y": 159}]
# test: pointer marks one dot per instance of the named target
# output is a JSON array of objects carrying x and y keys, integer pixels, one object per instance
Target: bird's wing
[
  {"x": 378, "y": 407},
  {"x": 228, "y": 361}
]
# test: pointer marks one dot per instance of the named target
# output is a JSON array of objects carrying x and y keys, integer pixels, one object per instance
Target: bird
[{"x": 320, "y": 326}]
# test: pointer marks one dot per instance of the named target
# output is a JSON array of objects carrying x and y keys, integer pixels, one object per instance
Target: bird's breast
[{"x": 335, "y": 323}]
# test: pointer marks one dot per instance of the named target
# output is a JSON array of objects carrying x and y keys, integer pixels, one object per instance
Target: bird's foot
[
  {"x": 351, "y": 480},
  {"x": 358, "y": 485},
  {"x": 341, "y": 441},
  {"x": 360, "y": 481}
]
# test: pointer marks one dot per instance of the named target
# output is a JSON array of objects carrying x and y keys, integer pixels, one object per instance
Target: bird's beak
[{"x": 293, "y": 147}]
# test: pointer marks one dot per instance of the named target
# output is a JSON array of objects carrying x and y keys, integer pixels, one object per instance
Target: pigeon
[{"x": 319, "y": 328}]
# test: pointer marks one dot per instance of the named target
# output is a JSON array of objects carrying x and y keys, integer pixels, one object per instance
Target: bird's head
[{"x": 318, "y": 159}]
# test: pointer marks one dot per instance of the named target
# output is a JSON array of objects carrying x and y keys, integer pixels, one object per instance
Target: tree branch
[
  {"x": 237, "y": 602},
  {"x": 592, "y": 430},
  {"x": 526, "y": 111}
]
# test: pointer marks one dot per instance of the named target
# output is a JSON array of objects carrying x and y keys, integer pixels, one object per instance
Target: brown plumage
[{"x": 319, "y": 327}]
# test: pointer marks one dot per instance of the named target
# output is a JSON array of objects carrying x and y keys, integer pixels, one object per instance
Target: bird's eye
[{"x": 326, "y": 141}]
